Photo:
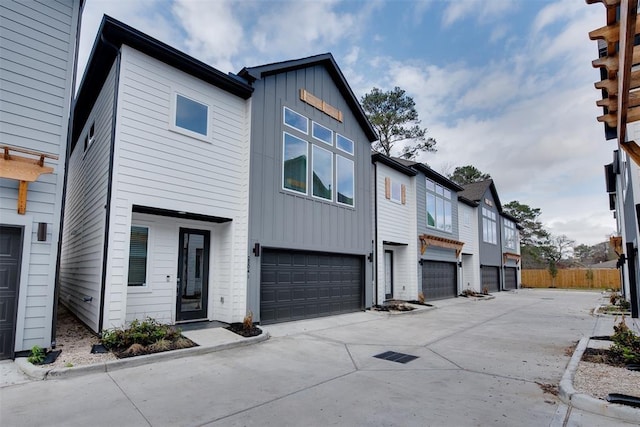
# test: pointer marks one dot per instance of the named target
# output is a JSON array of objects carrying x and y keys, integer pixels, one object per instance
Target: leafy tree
[
  {"x": 467, "y": 174},
  {"x": 533, "y": 232},
  {"x": 394, "y": 117}
]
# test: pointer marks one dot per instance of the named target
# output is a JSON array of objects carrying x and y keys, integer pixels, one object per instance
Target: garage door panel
[
  {"x": 490, "y": 278},
  {"x": 439, "y": 280},
  {"x": 510, "y": 278},
  {"x": 309, "y": 284}
]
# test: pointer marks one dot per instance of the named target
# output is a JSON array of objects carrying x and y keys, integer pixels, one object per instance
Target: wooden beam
[
  {"x": 611, "y": 33},
  {"x": 628, "y": 30},
  {"x": 607, "y": 3},
  {"x": 633, "y": 150},
  {"x": 633, "y": 115},
  {"x": 22, "y": 197},
  {"x": 612, "y": 86},
  {"x": 612, "y": 62},
  {"x": 611, "y": 103}
]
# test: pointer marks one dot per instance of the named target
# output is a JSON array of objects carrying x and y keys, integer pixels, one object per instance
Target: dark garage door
[
  {"x": 490, "y": 278},
  {"x": 301, "y": 285},
  {"x": 10, "y": 251},
  {"x": 510, "y": 278},
  {"x": 439, "y": 280}
]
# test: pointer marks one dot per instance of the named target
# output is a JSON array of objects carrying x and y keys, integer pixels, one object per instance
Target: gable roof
[
  {"x": 440, "y": 179},
  {"x": 475, "y": 192},
  {"x": 251, "y": 74},
  {"x": 111, "y": 36},
  {"x": 392, "y": 163}
]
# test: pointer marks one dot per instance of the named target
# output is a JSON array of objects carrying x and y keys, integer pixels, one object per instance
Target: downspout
[
  {"x": 56, "y": 286},
  {"x": 633, "y": 282},
  {"x": 107, "y": 207}
]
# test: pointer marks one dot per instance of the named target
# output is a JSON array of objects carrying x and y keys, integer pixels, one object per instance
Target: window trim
[
  {"x": 313, "y": 161},
  {"x": 444, "y": 195},
  {"x": 146, "y": 286},
  {"x": 489, "y": 217},
  {"x": 353, "y": 144},
  {"x": 284, "y": 136},
  {"x": 353, "y": 188},
  {"x": 313, "y": 125},
  {"x": 399, "y": 188},
  {"x": 285, "y": 108},
  {"x": 184, "y": 131},
  {"x": 509, "y": 231}
]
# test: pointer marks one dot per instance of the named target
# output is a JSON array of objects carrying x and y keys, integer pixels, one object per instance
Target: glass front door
[{"x": 193, "y": 274}]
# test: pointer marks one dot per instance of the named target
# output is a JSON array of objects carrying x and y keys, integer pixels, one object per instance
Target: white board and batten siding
[
  {"x": 85, "y": 213},
  {"x": 397, "y": 223},
  {"x": 468, "y": 234},
  {"x": 36, "y": 79},
  {"x": 158, "y": 167}
]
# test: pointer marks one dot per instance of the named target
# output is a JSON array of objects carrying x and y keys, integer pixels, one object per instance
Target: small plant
[
  {"x": 68, "y": 365},
  {"x": 247, "y": 322},
  {"x": 421, "y": 297},
  {"x": 624, "y": 305},
  {"x": 160, "y": 345},
  {"x": 485, "y": 291},
  {"x": 144, "y": 332},
  {"x": 626, "y": 343},
  {"x": 37, "y": 355},
  {"x": 613, "y": 298}
]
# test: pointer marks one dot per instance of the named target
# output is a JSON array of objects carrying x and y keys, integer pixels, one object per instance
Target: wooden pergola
[
  {"x": 427, "y": 240},
  {"x": 621, "y": 97}
]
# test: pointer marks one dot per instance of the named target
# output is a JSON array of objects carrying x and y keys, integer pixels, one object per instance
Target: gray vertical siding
[
  {"x": 490, "y": 254},
  {"x": 282, "y": 219},
  {"x": 37, "y": 63}
]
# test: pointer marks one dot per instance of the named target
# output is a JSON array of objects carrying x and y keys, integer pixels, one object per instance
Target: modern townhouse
[{"x": 38, "y": 53}]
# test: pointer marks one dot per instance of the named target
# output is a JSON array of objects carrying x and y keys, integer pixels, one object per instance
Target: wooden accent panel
[
  {"x": 441, "y": 242},
  {"x": 23, "y": 169},
  {"x": 510, "y": 255},
  {"x": 403, "y": 192},
  {"x": 616, "y": 243},
  {"x": 319, "y": 104},
  {"x": 387, "y": 188}
]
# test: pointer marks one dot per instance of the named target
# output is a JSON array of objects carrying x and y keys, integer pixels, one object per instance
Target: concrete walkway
[{"x": 478, "y": 363}]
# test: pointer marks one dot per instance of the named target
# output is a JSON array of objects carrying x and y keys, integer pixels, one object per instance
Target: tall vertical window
[
  {"x": 439, "y": 213},
  {"x": 191, "y": 115},
  {"x": 509, "y": 234},
  {"x": 294, "y": 171},
  {"x": 489, "y": 226},
  {"x": 138, "y": 256},
  {"x": 345, "y": 180},
  {"x": 322, "y": 173}
]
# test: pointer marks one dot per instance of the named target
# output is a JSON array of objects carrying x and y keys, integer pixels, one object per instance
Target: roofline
[
  {"x": 387, "y": 161},
  {"x": 441, "y": 179},
  {"x": 251, "y": 74},
  {"x": 112, "y": 34},
  {"x": 468, "y": 202}
]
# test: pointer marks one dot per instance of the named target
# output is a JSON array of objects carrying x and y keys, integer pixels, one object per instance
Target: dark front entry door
[
  {"x": 193, "y": 274},
  {"x": 388, "y": 274},
  {"x": 10, "y": 257}
]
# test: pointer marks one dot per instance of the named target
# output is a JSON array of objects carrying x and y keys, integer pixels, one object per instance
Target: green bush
[
  {"x": 37, "y": 355},
  {"x": 626, "y": 344},
  {"x": 144, "y": 332}
]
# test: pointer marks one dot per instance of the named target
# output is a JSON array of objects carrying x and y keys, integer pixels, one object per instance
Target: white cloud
[{"x": 483, "y": 11}]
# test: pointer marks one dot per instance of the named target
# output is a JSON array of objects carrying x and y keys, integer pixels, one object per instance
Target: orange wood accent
[
  {"x": 387, "y": 188},
  {"x": 403, "y": 189},
  {"x": 607, "y": 3},
  {"x": 510, "y": 255},
  {"x": 319, "y": 104},
  {"x": 441, "y": 242},
  {"x": 633, "y": 150},
  {"x": 23, "y": 169},
  {"x": 616, "y": 243}
]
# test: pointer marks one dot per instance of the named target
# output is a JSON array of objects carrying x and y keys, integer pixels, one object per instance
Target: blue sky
[{"x": 504, "y": 85}]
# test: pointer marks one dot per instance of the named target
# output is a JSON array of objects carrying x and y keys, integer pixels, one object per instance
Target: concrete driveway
[{"x": 478, "y": 363}]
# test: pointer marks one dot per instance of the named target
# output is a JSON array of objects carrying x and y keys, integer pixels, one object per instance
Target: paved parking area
[{"x": 478, "y": 363}]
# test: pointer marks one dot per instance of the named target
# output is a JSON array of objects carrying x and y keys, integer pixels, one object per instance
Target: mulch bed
[
  {"x": 600, "y": 355},
  {"x": 238, "y": 328},
  {"x": 139, "y": 350}
]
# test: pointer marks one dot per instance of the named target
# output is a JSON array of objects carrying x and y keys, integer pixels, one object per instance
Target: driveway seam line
[{"x": 128, "y": 398}]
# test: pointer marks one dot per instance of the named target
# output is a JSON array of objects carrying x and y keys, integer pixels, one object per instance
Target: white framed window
[
  {"x": 190, "y": 117},
  {"x": 345, "y": 144},
  {"x": 322, "y": 173},
  {"x": 322, "y": 133},
  {"x": 509, "y": 234},
  {"x": 345, "y": 181},
  {"x": 294, "y": 163},
  {"x": 466, "y": 219},
  {"x": 439, "y": 214},
  {"x": 138, "y": 256},
  {"x": 489, "y": 226},
  {"x": 396, "y": 192},
  {"x": 295, "y": 120}
]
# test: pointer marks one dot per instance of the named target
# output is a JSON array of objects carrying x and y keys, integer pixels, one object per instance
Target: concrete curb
[
  {"x": 417, "y": 309},
  {"x": 42, "y": 373},
  {"x": 588, "y": 403}
]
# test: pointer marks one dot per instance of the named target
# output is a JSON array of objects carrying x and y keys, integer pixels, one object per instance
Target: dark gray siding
[
  {"x": 282, "y": 219},
  {"x": 490, "y": 254}
]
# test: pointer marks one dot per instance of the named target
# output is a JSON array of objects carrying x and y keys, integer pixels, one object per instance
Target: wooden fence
[{"x": 574, "y": 278}]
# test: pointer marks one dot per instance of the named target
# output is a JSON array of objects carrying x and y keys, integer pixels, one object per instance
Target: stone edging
[
  {"x": 42, "y": 373},
  {"x": 585, "y": 402}
]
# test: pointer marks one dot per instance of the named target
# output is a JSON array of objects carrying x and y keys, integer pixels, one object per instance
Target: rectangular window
[
  {"x": 509, "y": 234},
  {"x": 489, "y": 226},
  {"x": 296, "y": 120},
  {"x": 138, "y": 256},
  {"x": 294, "y": 164},
  {"x": 321, "y": 133},
  {"x": 191, "y": 115},
  {"x": 322, "y": 173},
  {"x": 345, "y": 180},
  {"x": 396, "y": 192},
  {"x": 344, "y": 144},
  {"x": 439, "y": 208}
]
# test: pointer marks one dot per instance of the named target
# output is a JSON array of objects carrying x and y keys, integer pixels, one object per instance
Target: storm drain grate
[{"x": 396, "y": 357}]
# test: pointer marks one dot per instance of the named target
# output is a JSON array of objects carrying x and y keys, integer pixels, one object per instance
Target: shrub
[
  {"x": 37, "y": 355},
  {"x": 145, "y": 333},
  {"x": 421, "y": 297},
  {"x": 626, "y": 343},
  {"x": 247, "y": 322}
]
